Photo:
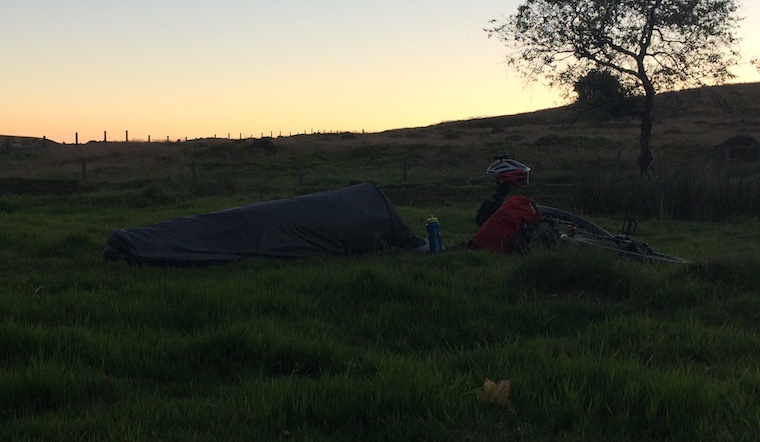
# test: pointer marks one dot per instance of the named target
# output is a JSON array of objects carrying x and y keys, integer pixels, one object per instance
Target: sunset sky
[{"x": 192, "y": 68}]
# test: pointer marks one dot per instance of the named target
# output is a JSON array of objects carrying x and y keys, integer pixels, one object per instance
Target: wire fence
[{"x": 126, "y": 136}]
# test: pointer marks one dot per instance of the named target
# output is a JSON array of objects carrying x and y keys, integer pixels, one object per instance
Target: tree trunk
[{"x": 646, "y": 159}]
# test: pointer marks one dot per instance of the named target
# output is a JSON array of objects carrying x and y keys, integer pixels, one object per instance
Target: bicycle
[{"x": 558, "y": 227}]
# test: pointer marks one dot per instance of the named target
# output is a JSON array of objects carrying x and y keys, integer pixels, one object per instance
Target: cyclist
[
  {"x": 507, "y": 172},
  {"x": 505, "y": 226}
]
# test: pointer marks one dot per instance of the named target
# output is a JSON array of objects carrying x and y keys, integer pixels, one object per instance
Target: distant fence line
[
  {"x": 23, "y": 143},
  {"x": 229, "y": 136}
]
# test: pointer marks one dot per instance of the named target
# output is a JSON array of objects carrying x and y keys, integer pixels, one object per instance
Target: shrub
[{"x": 602, "y": 92}]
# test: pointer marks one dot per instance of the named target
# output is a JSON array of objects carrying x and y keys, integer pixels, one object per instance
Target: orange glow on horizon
[{"x": 211, "y": 72}]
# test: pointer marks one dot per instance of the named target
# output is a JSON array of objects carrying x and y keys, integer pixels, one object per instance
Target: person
[
  {"x": 506, "y": 226},
  {"x": 507, "y": 173}
]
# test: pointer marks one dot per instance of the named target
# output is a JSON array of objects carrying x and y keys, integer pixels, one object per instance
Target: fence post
[
  {"x": 76, "y": 138},
  {"x": 105, "y": 137},
  {"x": 126, "y": 136}
]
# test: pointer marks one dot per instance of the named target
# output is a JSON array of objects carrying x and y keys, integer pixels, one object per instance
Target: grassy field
[{"x": 388, "y": 346}]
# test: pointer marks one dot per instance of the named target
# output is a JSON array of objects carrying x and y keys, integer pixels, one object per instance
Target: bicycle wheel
[{"x": 551, "y": 214}]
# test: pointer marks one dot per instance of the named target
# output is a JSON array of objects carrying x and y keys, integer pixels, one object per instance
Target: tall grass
[
  {"x": 687, "y": 192},
  {"x": 382, "y": 347}
]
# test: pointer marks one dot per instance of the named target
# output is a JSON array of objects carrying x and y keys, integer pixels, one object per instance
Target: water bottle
[{"x": 434, "y": 235}]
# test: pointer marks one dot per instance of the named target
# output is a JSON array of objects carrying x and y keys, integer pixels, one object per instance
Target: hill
[
  {"x": 714, "y": 113},
  {"x": 710, "y": 113},
  {"x": 581, "y": 161}
]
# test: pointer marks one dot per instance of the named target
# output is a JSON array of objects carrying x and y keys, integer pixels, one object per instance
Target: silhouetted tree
[{"x": 653, "y": 44}]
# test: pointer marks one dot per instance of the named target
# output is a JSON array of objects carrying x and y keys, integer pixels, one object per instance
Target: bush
[{"x": 601, "y": 91}]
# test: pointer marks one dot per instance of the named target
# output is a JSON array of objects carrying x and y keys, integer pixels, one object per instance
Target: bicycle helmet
[{"x": 508, "y": 171}]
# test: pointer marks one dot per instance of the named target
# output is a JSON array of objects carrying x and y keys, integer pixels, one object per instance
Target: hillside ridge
[{"x": 738, "y": 102}]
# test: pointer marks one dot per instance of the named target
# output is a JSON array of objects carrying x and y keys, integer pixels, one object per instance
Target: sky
[{"x": 196, "y": 68}]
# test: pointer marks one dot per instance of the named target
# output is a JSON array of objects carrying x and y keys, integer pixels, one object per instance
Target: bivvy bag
[{"x": 499, "y": 232}]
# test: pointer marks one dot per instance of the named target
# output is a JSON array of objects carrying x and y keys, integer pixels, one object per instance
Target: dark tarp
[{"x": 350, "y": 220}]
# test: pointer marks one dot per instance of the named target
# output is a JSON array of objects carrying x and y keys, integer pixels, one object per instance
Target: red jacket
[{"x": 498, "y": 233}]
